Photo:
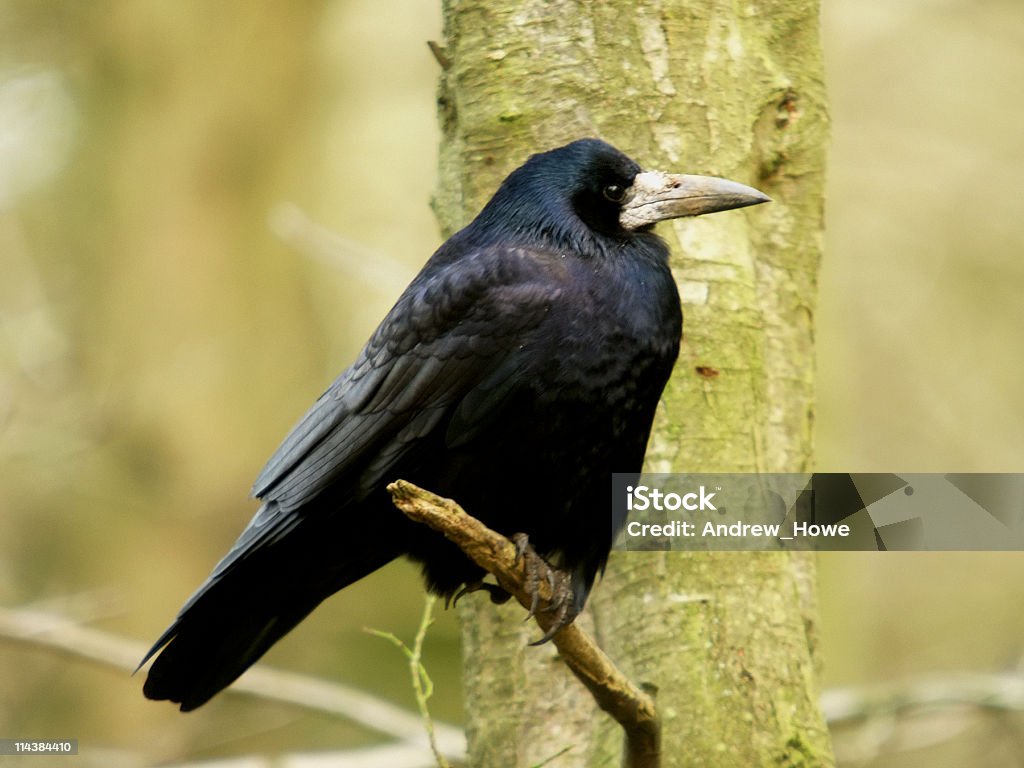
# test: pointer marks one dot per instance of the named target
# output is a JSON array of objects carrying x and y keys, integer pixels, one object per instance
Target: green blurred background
[{"x": 169, "y": 305}]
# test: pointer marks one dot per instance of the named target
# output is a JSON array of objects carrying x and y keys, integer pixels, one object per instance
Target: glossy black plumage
[{"x": 529, "y": 353}]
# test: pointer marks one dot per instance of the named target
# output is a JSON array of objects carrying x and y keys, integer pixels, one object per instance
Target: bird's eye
[{"x": 614, "y": 192}]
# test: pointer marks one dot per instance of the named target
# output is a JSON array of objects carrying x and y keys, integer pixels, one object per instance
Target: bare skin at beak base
[{"x": 657, "y": 196}]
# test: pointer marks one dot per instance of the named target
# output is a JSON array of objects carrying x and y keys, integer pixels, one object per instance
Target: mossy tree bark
[{"x": 696, "y": 87}]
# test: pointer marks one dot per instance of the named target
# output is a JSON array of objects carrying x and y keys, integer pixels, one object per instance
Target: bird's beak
[{"x": 657, "y": 196}]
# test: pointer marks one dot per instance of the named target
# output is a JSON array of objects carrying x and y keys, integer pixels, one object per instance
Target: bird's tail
[
  {"x": 206, "y": 652},
  {"x": 242, "y": 610}
]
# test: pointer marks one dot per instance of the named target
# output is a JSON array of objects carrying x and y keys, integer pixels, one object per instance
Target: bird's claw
[
  {"x": 522, "y": 542},
  {"x": 498, "y": 595},
  {"x": 562, "y": 603}
]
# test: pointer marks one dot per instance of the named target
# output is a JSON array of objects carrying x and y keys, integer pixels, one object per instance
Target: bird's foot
[
  {"x": 562, "y": 603},
  {"x": 498, "y": 595}
]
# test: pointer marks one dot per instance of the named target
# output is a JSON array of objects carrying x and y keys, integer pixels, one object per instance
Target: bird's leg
[
  {"x": 563, "y": 600},
  {"x": 498, "y": 595}
]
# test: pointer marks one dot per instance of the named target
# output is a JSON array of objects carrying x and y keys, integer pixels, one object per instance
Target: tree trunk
[{"x": 696, "y": 88}]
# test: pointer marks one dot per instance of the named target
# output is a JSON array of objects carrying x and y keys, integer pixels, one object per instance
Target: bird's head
[{"x": 590, "y": 183}]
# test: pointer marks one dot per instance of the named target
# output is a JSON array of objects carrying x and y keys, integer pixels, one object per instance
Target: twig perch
[{"x": 614, "y": 692}]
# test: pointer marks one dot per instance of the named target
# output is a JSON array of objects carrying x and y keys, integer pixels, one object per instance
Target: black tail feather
[
  {"x": 203, "y": 654},
  {"x": 250, "y": 604}
]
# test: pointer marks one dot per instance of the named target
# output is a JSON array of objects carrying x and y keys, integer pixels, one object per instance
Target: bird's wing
[
  {"x": 452, "y": 343},
  {"x": 438, "y": 361}
]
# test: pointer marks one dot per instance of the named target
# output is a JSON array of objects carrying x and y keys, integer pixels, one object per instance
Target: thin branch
[
  {"x": 422, "y": 685},
  {"x": 421, "y": 682},
  {"x": 440, "y": 54},
  {"x": 57, "y": 633},
  {"x": 373, "y": 269},
  {"x": 616, "y": 694},
  {"x": 984, "y": 691},
  {"x": 916, "y": 714}
]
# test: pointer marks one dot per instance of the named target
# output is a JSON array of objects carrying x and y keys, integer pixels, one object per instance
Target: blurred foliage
[{"x": 156, "y": 339}]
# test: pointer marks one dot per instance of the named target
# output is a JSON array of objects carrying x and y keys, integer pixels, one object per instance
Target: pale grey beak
[{"x": 657, "y": 196}]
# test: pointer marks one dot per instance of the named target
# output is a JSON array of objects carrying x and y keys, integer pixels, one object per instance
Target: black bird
[{"x": 530, "y": 352}]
